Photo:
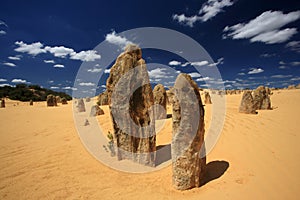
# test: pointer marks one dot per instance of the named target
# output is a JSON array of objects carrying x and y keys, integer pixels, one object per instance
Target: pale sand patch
[{"x": 42, "y": 157}]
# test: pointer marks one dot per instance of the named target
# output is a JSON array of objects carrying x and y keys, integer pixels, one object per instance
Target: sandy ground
[{"x": 256, "y": 157}]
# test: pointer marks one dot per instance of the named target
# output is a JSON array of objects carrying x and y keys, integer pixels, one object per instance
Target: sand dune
[{"x": 256, "y": 157}]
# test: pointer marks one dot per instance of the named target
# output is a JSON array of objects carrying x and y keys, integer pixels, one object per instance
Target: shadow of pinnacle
[
  {"x": 214, "y": 170},
  {"x": 163, "y": 154}
]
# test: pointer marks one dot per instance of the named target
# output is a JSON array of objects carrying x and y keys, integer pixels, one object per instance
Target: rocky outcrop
[
  {"x": 207, "y": 99},
  {"x": 130, "y": 100},
  {"x": 160, "y": 101},
  {"x": 58, "y": 99},
  {"x": 261, "y": 99},
  {"x": 103, "y": 98},
  {"x": 188, "y": 135},
  {"x": 247, "y": 104},
  {"x": 51, "y": 100},
  {"x": 96, "y": 110},
  {"x": 2, "y": 103},
  {"x": 80, "y": 105},
  {"x": 64, "y": 101}
]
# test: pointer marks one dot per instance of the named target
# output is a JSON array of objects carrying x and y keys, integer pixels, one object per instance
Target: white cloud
[
  {"x": 3, "y": 80},
  {"x": 3, "y": 23},
  {"x": 282, "y": 67},
  {"x": 32, "y": 49},
  {"x": 209, "y": 10},
  {"x": 5, "y": 84},
  {"x": 9, "y": 64},
  {"x": 212, "y": 7},
  {"x": 241, "y": 74},
  {"x": 90, "y": 55},
  {"x": 113, "y": 38},
  {"x": 86, "y": 84},
  {"x": 295, "y": 79},
  {"x": 69, "y": 88},
  {"x": 2, "y": 32},
  {"x": 59, "y": 51},
  {"x": 267, "y": 55},
  {"x": 157, "y": 73},
  {"x": 49, "y": 61},
  {"x": 14, "y": 57},
  {"x": 94, "y": 70},
  {"x": 281, "y": 76},
  {"x": 199, "y": 63},
  {"x": 58, "y": 66},
  {"x": 182, "y": 19},
  {"x": 16, "y": 80},
  {"x": 103, "y": 86},
  {"x": 174, "y": 63},
  {"x": 219, "y": 62},
  {"x": 294, "y": 46},
  {"x": 195, "y": 75},
  {"x": 296, "y": 63},
  {"x": 107, "y": 71},
  {"x": 54, "y": 87},
  {"x": 255, "y": 71},
  {"x": 204, "y": 79},
  {"x": 266, "y": 25}
]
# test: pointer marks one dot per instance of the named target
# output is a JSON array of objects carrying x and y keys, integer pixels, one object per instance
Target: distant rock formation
[
  {"x": 51, "y": 100},
  {"x": 31, "y": 102},
  {"x": 135, "y": 133},
  {"x": 261, "y": 99},
  {"x": 96, "y": 110},
  {"x": 188, "y": 134},
  {"x": 88, "y": 99},
  {"x": 160, "y": 100},
  {"x": 170, "y": 96},
  {"x": 207, "y": 99},
  {"x": 291, "y": 87},
  {"x": 64, "y": 101},
  {"x": 2, "y": 103},
  {"x": 298, "y": 86},
  {"x": 103, "y": 98},
  {"x": 247, "y": 104},
  {"x": 80, "y": 105},
  {"x": 58, "y": 99}
]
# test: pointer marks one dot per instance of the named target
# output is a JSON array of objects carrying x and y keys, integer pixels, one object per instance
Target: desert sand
[{"x": 256, "y": 157}]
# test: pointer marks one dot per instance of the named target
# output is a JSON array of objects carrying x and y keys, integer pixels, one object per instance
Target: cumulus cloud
[
  {"x": 90, "y": 55},
  {"x": 32, "y": 49},
  {"x": 219, "y": 62},
  {"x": 86, "y": 84},
  {"x": 195, "y": 75},
  {"x": 54, "y": 87},
  {"x": 16, "y": 80},
  {"x": 107, "y": 71},
  {"x": 3, "y": 80},
  {"x": 113, "y": 38},
  {"x": 204, "y": 79},
  {"x": 2, "y": 32},
  {"x": 18, "y": 57},
  {"x": 199, "y": 63},
  {"x": 95, "y": 70},
  {"x": 59, "y": 51},
  {"x": 157, "y": 73},
  {"x": 294, "y": 46},
  {"x": 212, "y": 7},
  {"x": 255, "y": 71},
  {"x": 174, "y": 63},
  {"x": 208, "y": 10},
  {"x": 9, "y": 64},
  {"x": 265, "y": 28},
  {"x": 59, "y": 66},
  {"x": 49, "y": 61}
]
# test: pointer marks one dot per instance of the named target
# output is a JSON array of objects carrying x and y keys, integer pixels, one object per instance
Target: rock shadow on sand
[
  {"x": 214, "y": 170},
  {"x": 163, "y": 154}
]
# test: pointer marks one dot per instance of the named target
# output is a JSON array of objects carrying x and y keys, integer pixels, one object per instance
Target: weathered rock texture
[
  {"x": 170, "y": 96},
  {"x": 207, "y": 99},
  {"x": 51, "y": 100},
  {"x": 64, "y": 101},
  {"x": 2, "y": 103},
  {"x": 96, "y": 110},
  {"x": 135, "y": 133},
  {"x": 261, "y": 99},
  {"x": 188, "y": 135},
  {"x": 80, "y": 105},
  {"x": 103, "y": 98},
  {"x": 247, "y": 104},
  {"x": 160, "y": 98}
]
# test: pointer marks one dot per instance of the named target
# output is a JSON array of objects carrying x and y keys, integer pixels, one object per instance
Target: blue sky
[{"x": 252, "y": 42}]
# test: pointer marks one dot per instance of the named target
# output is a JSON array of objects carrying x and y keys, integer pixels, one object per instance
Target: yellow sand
[{"x": 42, "y": 157}]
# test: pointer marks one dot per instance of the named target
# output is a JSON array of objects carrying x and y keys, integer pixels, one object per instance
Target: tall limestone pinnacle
[
  {"x": 130, "y": 99},
  {"x": 188, "y": 148}
]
